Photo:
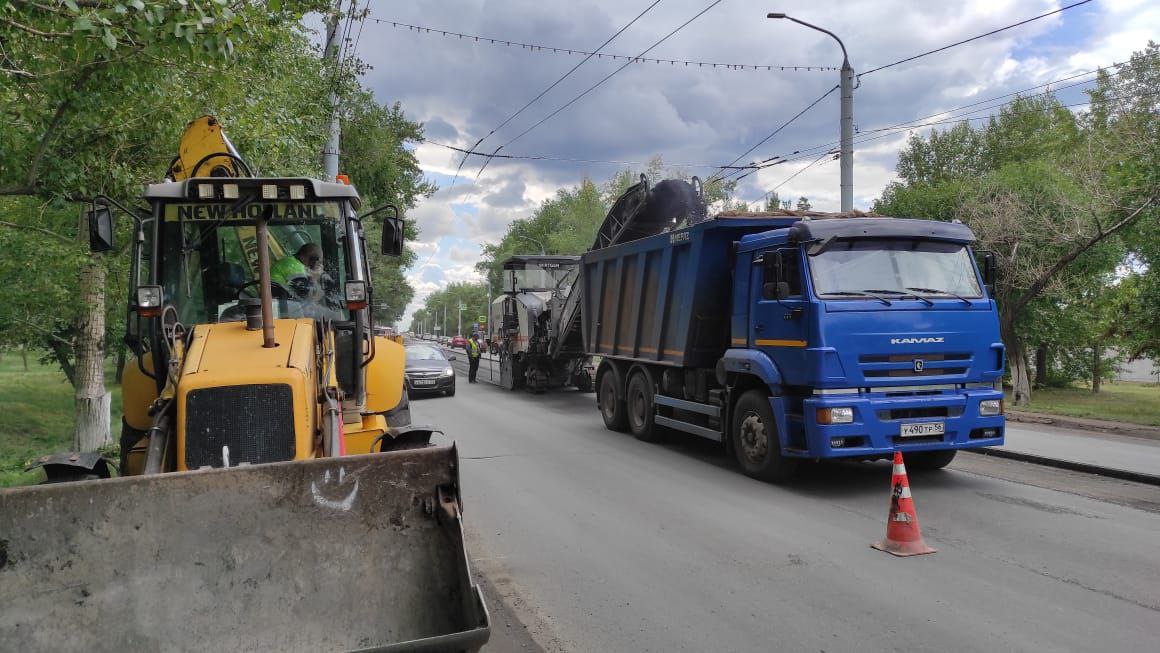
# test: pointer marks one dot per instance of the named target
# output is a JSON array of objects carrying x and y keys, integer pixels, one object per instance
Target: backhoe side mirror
[
  {"x": 393, "y": 227},
  {"x": 100, "y": 220}
]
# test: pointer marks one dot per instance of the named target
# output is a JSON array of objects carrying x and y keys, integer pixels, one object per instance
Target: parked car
[
  {"x": 429, "y": 371},
  {"x": 459, "y": 342}
]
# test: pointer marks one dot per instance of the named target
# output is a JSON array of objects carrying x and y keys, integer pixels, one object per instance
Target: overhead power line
[
  {"x": 546, "y": 157},
  {"x": 597, "y": 84},
  {"x": 974, "y": 38},
  {"x": 550, "y": 87},
  {"x": 555, "y": 49},
  {"x": 806, "y": 152},
  {"x": 811, "y": 105}
]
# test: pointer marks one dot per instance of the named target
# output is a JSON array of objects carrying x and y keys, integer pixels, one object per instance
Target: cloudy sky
[{"x": 698, "y": 117}]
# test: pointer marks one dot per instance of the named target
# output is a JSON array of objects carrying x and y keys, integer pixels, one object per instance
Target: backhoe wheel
[
  {"x": 930, "y": 459},
  {"x": 612, "y": 402},
  {"x": 755, "y": 440},
  {"x": 639, "y": 402}
]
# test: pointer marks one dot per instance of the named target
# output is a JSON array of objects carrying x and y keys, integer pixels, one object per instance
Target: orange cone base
[{"x": 903, "y": 549}]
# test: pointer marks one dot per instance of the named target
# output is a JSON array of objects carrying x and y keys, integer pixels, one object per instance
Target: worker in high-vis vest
[
  {"x": 472, "y": 357},
  {"x": 299, "y": 272}
]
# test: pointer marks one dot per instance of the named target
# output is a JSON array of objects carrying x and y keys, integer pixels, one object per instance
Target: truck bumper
[{"x": 879, "y": 418}]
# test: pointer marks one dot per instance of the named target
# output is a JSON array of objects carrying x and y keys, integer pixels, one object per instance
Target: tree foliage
[{"x": 1061, "y": 199}]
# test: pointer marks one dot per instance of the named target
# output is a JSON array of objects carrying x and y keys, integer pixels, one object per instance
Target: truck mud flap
[{"x": 355, "y": 553}]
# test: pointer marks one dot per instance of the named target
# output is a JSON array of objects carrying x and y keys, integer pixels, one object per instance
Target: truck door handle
[{"x": 758, "y": 327}]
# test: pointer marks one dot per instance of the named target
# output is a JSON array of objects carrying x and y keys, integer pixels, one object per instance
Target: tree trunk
[
  {"x": 1017, "y": 359},
  {"x": 1041, "y": 365},
  {"x": 1096, "y": 360},
  {"x": 92, "y": 399}
]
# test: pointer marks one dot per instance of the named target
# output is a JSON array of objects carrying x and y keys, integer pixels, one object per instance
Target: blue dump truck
[{"x": 791, "y": 336}]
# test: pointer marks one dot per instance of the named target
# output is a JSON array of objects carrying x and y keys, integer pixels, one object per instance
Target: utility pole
[
  {"x": 330, "y": 54},
  {"x": 846, "y": 124},
  {"x": 459, "y": 321}
]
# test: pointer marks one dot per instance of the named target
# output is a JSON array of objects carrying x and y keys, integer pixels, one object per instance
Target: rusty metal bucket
[{"x": 355, "y": 553}]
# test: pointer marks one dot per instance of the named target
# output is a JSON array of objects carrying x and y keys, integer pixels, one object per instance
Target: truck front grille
[
  {"x": 256, "y": 422},
  {"x": 895, "y": 366}
]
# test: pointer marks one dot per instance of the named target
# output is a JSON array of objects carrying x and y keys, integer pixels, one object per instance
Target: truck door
[{"x": 777, "y": 322}]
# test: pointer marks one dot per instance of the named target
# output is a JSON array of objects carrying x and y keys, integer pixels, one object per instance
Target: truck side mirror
[
  {"x": 100, "y": 220},
  {"x": 989, "y": 271},
  {"x": 393, "y": 235}
]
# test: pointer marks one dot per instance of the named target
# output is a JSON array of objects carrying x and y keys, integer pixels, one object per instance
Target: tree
[
  {"x": 1046, "y": 192},
  {"x": 803, "y": 204},
  {"x": 95, "y": 96}
]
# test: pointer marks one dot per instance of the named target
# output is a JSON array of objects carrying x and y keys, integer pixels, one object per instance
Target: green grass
[
  {"x": 36, "y": 416},
  {"x": 1123, "y": 401}
]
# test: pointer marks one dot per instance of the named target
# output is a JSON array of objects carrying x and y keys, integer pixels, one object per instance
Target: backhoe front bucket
[{"x": 353, "y": 553}]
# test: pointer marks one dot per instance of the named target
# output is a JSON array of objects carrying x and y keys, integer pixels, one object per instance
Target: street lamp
[{"x": 847, "y": 123}]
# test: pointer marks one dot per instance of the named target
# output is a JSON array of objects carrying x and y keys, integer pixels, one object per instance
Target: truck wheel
[
  {"x": 639, "y": 404},
  {"x": 612, "y": 402},
  {"x": 930, "y": 459},
  {"x": 755, "y": 440}
]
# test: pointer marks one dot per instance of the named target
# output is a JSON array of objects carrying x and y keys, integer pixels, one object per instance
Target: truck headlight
[
  {"x": 839, "y": 415},
  {"x": 990, "y": 407}
]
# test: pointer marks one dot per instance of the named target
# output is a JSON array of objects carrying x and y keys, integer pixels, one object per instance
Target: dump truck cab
[{"x": 878, "y": 333}]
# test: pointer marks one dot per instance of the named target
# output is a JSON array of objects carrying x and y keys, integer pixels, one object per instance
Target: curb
[
  {"x": 1086, "y": 424},
  {"x": 1110, "y": 472}
]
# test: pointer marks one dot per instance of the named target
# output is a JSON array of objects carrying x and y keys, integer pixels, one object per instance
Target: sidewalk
[
  {"x": 1082, "y": 449},
  {"x": 1085, "y": 424}
]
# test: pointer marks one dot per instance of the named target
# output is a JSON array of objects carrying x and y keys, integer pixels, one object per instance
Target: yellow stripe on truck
[{"x": 781, "y": 343}]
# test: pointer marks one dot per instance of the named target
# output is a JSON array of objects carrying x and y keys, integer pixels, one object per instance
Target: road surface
[{"x": 598, "y": 542}]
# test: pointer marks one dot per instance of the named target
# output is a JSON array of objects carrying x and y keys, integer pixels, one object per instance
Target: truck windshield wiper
[
  {"x": 936, "y": 291},
  {"x": 904, "y": 294},
  {"x": 859, "y": 293}
]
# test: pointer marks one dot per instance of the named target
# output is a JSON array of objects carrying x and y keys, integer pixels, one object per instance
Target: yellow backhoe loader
[{"x": 274, "y": 494}]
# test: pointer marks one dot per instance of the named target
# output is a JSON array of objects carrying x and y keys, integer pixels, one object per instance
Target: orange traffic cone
[{"x": 902, "y": 535}]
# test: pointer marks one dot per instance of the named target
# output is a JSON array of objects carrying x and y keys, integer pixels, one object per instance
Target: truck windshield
[
  {"x": 209, "y": 260},
  {"x": 548, "y": 275},
  {"x": 851, "y": 267}
]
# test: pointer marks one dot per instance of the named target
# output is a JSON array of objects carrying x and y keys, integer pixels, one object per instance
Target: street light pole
[{"x": 847, "y": 115}]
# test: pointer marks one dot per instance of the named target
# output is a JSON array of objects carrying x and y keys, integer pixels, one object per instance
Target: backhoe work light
[
  {"x": 269, "y": 192},
  {"x": 297, "y": 192},
  {"x": 356, "y": 295},
  {"x": 205, "y": 191},
  {"x": 230, "y": 191},
  {"x": 149, "y": 300},
  {"x": 839, "y": 415}
]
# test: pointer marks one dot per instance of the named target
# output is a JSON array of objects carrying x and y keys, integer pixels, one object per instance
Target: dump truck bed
[
  {"x": 665, "y": 298},
  {"x": 361, "y": 552}
]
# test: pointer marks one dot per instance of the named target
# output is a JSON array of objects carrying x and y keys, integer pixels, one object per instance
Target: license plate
[
  {"x": 922, "y": 429},
  {"x": 419, "y": 382}
]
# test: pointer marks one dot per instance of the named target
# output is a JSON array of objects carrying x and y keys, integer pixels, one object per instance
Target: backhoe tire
[
  {"x": 611, "y": 400},
  {"x": 641, "y": 409},
  {"x": 930, "y": 459},
  {"x": 755, "y": 440}
]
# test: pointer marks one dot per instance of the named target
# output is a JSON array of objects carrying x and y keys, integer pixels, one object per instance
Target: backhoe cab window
[{"x": 209, "y": 260}]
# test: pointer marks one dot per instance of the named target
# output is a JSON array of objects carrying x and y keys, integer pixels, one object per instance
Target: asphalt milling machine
[{"x": 273, "y": 493}]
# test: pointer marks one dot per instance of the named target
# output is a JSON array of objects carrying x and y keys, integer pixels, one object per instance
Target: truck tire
[
  {"x": 930, "y": 459},
  {"x": 640, "y": 409},
  {"x": 611, "y": 401},
  {"x": 755, "y": 440}
]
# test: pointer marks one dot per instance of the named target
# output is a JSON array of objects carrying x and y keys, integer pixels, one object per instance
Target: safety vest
[{"x": 473, "y": 349}]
